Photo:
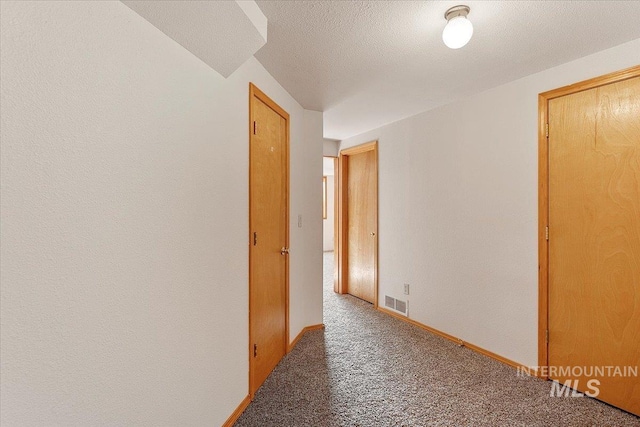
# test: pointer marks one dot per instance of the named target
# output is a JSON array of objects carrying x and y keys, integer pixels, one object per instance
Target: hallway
[{"x": 369, "y": 369}]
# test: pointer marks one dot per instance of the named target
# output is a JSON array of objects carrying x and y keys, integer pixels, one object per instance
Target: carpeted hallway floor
[{"x": 369, "y": 369}]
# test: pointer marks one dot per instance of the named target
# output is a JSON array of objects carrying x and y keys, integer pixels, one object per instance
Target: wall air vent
[
  {"x": 389, "y": 302},
  {"x": 396, "y": 304}
]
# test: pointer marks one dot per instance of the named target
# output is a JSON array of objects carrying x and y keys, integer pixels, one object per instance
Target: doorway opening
[
  {"x": 589, "y": 245},
  {"x": 357, "y": 234},
  {"x": 329, "y": 218},
  {"x": 268, "y": 236}
]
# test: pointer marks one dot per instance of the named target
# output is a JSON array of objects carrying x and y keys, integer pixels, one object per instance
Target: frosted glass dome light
[{"x": 459, "y": 29}]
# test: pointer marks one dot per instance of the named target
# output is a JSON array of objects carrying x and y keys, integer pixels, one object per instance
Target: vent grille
[
  {"x": 395, "y": 304},
  {"x": 389, "y": 302}
]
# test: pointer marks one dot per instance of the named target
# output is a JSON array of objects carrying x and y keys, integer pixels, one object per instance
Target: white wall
[
  {"x": 124, "y": 221},
  {"x": 305, "y": 268},
  {"x": 330, "y": 147},
  {"x": 458, "y": 208},
  {"x": 328, "y": 224}
]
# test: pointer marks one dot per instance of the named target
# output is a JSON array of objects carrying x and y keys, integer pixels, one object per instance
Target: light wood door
[
  {"x": 268, "y": 200},
  {"x": 362, "y": 224},
  {"x": 594, "y": 244}
]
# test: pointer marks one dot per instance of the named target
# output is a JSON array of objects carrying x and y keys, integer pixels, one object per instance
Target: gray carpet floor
[{"x": 368, "y": 369}]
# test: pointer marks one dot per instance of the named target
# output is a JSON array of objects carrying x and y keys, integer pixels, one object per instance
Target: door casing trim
[
  {"x": 257, "y": 93},
  {"x": 341, "y": 252},
  {"x": 543, "y": 196}
]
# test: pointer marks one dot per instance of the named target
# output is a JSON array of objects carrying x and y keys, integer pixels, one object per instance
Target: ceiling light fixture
[{"x": 459, "y": 29}]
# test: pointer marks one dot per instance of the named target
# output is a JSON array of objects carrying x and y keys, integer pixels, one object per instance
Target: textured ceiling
[{"x": 368, "y": 63}]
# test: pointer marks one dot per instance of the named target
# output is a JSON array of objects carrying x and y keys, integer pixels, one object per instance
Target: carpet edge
[
  {"x": 519, "y": 366},
  {"x": 302, "y": 332},
  {"x": 238, "y": 411}
]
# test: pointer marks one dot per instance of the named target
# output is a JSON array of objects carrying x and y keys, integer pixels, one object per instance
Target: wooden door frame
[
  {"x": 258, "y": 94},
  {"x": 543, "y": 197},
  {"x": 341, "y": 243},
  {"x": 336, "y": 185}
]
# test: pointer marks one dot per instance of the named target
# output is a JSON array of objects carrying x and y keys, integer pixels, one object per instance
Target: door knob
[
  {"x": 373, "y": 234},
  {"x": 284, "y": 250}
]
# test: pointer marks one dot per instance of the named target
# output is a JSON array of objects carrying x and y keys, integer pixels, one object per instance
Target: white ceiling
[{"x": 369, "y": 63}]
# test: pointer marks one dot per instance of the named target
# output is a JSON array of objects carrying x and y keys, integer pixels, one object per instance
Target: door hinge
[
  {"x": 255, "y": 238},
  {"x": 546, "y": 232},
  {"x": 546, "y": 336},
  {"x": 255, "y": 350},
  {"x": 546, "y": 126},
  {"x": 255, "y": 127}
]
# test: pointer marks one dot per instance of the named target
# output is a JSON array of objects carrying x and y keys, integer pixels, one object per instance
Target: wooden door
[
  {"x": 268, "y": 239},
  {"x": 361, "y": 174},
  {"x": 594, "y": 238}
]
